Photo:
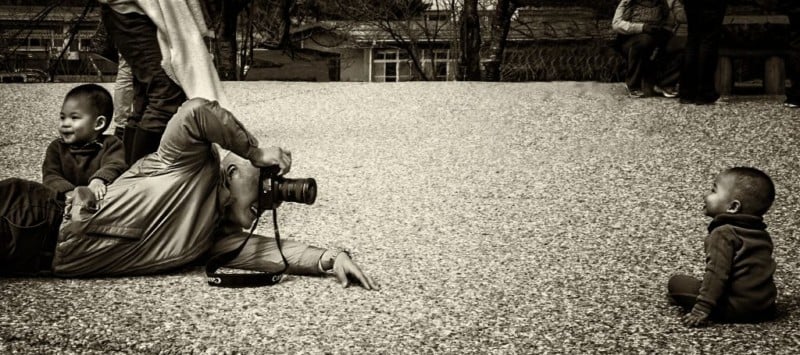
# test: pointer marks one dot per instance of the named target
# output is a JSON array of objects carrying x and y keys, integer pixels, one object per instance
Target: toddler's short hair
[
  {"x": 97, "y": 98},
  {"x": 753, "y": 188}
]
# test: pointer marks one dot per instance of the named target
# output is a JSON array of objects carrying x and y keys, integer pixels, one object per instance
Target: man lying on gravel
[{"x": 168, "y": 210}]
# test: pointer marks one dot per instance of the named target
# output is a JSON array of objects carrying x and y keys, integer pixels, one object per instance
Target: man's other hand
[
  {"x": 271, "y": 156},
  {"x": 346, "y": 270}
]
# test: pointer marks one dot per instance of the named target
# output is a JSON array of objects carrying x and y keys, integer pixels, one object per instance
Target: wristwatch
[{"x": 336, "y": 252}]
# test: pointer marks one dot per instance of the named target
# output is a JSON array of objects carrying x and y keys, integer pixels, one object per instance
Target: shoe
[
  {"x": 634, "y": 92},
  {"x": 707, "y": 100},
  {"x": 791, "y": 104},
  {"x": 686, "y": 101},
  {"x": 666, "y": 92}
]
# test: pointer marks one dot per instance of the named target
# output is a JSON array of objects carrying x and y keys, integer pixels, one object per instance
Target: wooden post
[
  {"x": 724, "y": 77},
  {"x": 724, "y": 81},
  {"x": 774, "y": 76}
]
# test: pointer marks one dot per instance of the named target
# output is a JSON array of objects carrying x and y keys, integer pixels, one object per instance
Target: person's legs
[
  {"x": 123, "y": 97},
  {"x": 30, "y": 217},
  {"x": 708, "y": 52},
  {"x": 683, "y": 289},
  {"x": 135, "y": 37},
  {"x": 793, "y": 63},
  {"x": 687, "y": 89},
  {"x": 637, "y": 50},
  {"x": 669, "y": 62}
]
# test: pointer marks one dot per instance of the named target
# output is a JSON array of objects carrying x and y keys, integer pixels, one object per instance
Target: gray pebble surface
[{"x": 497, "y": 217}]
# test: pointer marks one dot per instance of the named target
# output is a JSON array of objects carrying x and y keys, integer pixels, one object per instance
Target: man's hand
[
  {"x": 345, "y": 269},
  {"x": 695, "y": 318},
  {"x": 271, "y": 156},
  {"x": 98, "y": 188},
  {"x": 659, "y": 32}
]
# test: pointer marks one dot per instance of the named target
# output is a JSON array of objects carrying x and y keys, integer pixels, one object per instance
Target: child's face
[
  {"x": 78, "y": 124},
  {"x": 720, "y": 199}
]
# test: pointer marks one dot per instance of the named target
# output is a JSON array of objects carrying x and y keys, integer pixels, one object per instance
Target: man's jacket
[{"x": 166, "y": 210}]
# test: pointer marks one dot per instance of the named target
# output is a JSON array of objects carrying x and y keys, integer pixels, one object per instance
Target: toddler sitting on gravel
[
  {"x": 82, "y": 155},
  {"x": 738, "y": 283}
]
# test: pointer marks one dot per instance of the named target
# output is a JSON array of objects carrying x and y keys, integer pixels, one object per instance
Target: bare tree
[
  {"x": 469, "y": 67},
  {"x": 501, "y": 22}
]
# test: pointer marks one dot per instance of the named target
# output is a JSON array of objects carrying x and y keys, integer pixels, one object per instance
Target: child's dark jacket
[
  {"x": 66, "y": 166},
  {"x": 739, "y": 267}
]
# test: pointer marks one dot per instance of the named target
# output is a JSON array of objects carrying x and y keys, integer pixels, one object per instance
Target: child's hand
[
  {"x": 695, "y": 318},
  {"x": 98, "y": 188}
]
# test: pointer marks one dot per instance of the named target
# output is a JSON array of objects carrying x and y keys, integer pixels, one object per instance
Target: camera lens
[{"x": 296, "y": 190}]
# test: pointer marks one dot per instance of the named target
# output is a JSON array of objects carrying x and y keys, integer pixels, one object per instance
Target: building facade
[{"x": 36, "y": 38}]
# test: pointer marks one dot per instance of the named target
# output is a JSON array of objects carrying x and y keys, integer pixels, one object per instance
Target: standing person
[
  {"x": 163, "y": 41},
  {"x": 82, "y": 155},
  {"x": 157, "y": 97},
  {"x": 704, "y": 19},
  {"x": 102, "y": 45},
  {"x": 644, "y": 27}
]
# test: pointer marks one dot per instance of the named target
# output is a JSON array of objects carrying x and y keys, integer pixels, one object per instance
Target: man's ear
[
  {"x": 100, "y": 122},
  {"x": 230, "y": 169},
  {"x": 734, "y": 207}
]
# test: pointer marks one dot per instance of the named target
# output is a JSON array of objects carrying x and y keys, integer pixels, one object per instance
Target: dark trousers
[
  {"x": 156, "y": 96},
  {"x": 651, "y": 60},
  {"x": 793, "y": 62},
  {"x": 704, "y": 21},
  {"x": 638, "y": 51},
  {"x": 684, "y": 289},
  {"x": 30, "y": 217}
]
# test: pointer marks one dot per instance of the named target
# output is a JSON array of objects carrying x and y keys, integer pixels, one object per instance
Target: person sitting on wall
[{"x": 644, "y": 28}]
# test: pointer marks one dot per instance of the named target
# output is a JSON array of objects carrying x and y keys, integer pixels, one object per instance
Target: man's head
[
  {"x": 740, "y": 190},
  {"x": 241, "y": 179},
  {"x": 85, "y": 114}
]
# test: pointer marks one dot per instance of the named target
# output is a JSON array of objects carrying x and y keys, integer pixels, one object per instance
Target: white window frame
[{"x": 396, "y": 61}]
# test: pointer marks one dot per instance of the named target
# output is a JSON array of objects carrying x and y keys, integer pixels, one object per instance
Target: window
[
  {"x": 85, "y": 44},
  {"x": 441, "y": 64},
  {"x": 390, "y": 65}
]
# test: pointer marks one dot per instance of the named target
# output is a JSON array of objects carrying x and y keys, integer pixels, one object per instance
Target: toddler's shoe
[{"x": 791, "y": 104}]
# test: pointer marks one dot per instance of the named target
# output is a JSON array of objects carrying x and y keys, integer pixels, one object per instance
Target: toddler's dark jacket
[
  {"x": 738, "y": 281},
  {"x": 66, "y": 166}
]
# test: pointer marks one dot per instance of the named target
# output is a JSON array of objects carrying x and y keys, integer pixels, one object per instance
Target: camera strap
[{"x": 245, "y": 280}]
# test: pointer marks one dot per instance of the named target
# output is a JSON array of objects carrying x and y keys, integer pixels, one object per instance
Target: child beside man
[{"x": 82, "y": 155}]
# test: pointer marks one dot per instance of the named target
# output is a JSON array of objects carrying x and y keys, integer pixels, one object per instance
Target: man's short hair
[
  {"x": 97, "y": 98},
  {"x": 753, "y": 188}
]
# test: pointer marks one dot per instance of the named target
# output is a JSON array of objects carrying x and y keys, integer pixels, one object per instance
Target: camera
[{"x": 274, "y": 189}]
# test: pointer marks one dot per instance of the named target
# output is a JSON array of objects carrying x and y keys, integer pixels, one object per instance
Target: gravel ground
[{"x": 498, "y": 218}]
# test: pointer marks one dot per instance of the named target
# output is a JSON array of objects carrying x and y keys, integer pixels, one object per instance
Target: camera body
[{"x": 275, "y": 189}]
